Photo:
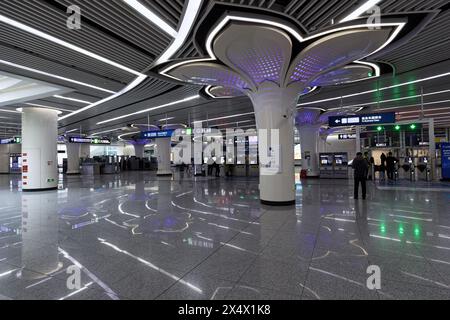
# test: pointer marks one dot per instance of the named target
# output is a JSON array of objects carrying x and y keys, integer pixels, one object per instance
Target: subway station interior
[{"x": 209, "y": 150}]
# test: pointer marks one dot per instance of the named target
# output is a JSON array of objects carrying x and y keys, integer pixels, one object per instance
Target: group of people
[{"x": 362, "y": 170}]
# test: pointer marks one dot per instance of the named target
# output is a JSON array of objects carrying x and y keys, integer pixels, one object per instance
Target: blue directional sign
[
  {"x": 362, "y": 119},
  {"x": 157, "y": 134},
  {"x": 15, "y": 140},
  {"x": 89, "y": 140},
  {"x": 445, "y": 156}
]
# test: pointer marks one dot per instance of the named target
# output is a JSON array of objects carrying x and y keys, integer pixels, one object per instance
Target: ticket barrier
[
  {"x": 409, "y": 169},
  {"x": 424, "y": 169}
]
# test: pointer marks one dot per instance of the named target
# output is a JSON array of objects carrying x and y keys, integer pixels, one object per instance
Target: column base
[
  {"x": 38, "y": 190},
  {"x": 278, "y": 203}
]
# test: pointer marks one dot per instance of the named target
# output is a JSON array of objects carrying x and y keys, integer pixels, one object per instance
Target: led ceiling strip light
[
  {"x": 47, "y": 107},
  {"x": 18, "y": 66},
  {"x": 188, "y": 20},
  {"x": 393, "y": 100},
  {"x": 63, "y": 43},
  {"x": 192, "y": 10},
  {"x": 186, "y": 25},
  {"x": 225, "y": 117},
  {"x": 157, "y": 21},
  {"x": 376, "y": 90},
  {"x": 72, "y": 99},
  {"x": 362, "y": 9},
  {"x": 132, "y": 85},
  {"x": 151, "y": 109}
]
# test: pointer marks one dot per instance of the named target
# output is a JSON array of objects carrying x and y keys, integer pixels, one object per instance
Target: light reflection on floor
[{"x": 136, "y": 236}]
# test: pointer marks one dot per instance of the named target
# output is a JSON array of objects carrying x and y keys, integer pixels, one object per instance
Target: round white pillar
[
  {"x": 139, "y": 150},
  {"x": 85, "y": 150},
  {"x": 309, "y": 139},
  {"x": 73, "y": 158},
  {"x": 39, "y": 149},
  {"x": 274, "y": 111},
  {"x": 163, "y": 155}
]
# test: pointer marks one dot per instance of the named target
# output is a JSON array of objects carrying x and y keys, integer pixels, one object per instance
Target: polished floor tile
[{"x": 137, "y": 236}]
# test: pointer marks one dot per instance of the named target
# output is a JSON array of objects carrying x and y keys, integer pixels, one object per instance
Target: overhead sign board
[
  {"x": 157, "y": 134},
  {"x": 362, "y": 119},
  {"x": 15, "y": 140},
  {"x": 89, "y": 140}
]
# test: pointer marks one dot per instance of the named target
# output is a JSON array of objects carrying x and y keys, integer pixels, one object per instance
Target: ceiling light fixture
[
  {"x": 392, "y": 100},
  {"x": 360, "y": 10},
  {"x": 192, "y": 10},
  {"x": 63, "y": 43},
  {"x": 151, "y": 16},
  {"x": 20, "y": 110},
  {"x": 230, "y": 123},
  {"x": 54, "y": 76},
  {"x": 72, "y": 99},
  {"x": 47, "y": 107},
  {"x": 120, "y": 137},
  {"x": 9, "y": 111},
  {"x": 225, "y": 117},
  {"x": 132, "y": 85},
  {"x": 375, "y": 90},
  {"x": 425, "y": 110},
  {"x": 151, "y": 109},
  {"x": 166, "y": 119},
  {"x": 106, "y": 131}
]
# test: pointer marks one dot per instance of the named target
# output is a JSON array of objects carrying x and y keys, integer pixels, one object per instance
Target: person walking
[
  {"x": 360, "y": 167},
  {"x": 390, "y": 166}
]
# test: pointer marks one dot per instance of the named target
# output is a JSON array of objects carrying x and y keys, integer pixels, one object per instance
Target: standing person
[
  {"x": 383, "y": 167},
  {"x": 390, "y": 166},
  {"x": 360, "y": 166}
]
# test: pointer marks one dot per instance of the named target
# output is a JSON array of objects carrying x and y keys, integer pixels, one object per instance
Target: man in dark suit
[{"x": 360, "y": 167}]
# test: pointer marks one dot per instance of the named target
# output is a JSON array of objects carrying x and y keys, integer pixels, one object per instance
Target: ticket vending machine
[
  {"x": 326, "y": 165},
  {"x": 15, "y": 163},
  {"x": 240, "y": 170},
  {"x": 340, "y": 164},
  {"x": 253, "y": 156}
]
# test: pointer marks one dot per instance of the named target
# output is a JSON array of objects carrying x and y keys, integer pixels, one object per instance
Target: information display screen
[{"x": 253, "y": 149}]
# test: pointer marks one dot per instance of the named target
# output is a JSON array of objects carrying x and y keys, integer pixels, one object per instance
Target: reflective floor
[{"x": 136, "y": 236}]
